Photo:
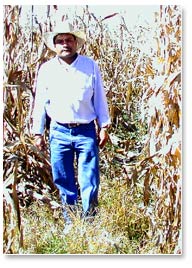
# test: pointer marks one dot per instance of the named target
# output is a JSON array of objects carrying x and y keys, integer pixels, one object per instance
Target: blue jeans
[{"x": 67, "y": 146}]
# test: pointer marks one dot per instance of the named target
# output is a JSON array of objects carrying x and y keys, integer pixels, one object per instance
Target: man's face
[{"x": 65, "y": 45}]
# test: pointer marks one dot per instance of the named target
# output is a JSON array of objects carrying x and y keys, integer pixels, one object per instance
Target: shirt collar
[{"x": 63, "y": 63}]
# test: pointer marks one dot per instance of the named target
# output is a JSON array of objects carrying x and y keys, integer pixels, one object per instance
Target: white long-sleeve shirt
[{"x": 70, "y": 93}]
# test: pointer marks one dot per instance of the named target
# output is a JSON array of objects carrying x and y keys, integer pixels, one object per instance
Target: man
[{"x": 69, "y": 89}]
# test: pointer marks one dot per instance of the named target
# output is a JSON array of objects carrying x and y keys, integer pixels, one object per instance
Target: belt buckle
[{"x": 71, "y": 125}]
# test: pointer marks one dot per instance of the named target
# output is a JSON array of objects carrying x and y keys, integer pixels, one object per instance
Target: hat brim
[{"x": 48, "y": 39}]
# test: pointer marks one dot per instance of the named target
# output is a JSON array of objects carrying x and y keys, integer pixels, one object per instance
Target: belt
[{"x": 71, "y": 125}]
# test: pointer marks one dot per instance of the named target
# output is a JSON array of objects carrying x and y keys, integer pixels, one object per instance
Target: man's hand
[
  {"x": 103, "y": 137},
  {"x": 40, "y": 142}
]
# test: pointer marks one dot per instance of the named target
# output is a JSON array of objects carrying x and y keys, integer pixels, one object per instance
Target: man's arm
[
  {"x": 101, "y": 108},
  {"x": 39, "y": 113}
]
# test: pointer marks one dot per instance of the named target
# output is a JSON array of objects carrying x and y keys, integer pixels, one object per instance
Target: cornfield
[{"x": 143, "y": 88}]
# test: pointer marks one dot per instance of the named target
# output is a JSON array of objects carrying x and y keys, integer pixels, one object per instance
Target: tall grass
[
  {"x": 140, "y": 194},
  {"x": 118, "y": 228}
]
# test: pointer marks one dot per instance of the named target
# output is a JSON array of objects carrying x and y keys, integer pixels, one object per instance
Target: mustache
[{"x": 66, "y": 48}]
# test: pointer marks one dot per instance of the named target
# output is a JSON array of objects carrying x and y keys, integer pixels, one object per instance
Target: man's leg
[
  {"x": 62, "y": 163},
  {"x": 88, "y": 169}
]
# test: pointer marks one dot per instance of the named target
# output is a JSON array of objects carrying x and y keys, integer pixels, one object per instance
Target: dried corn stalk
[
  {"x": 162, "y": 181},
  {"x": 26, "y": 170}
]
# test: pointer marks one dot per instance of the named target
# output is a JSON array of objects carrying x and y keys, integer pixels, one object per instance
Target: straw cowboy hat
[{"x": 64, "y": 27}]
